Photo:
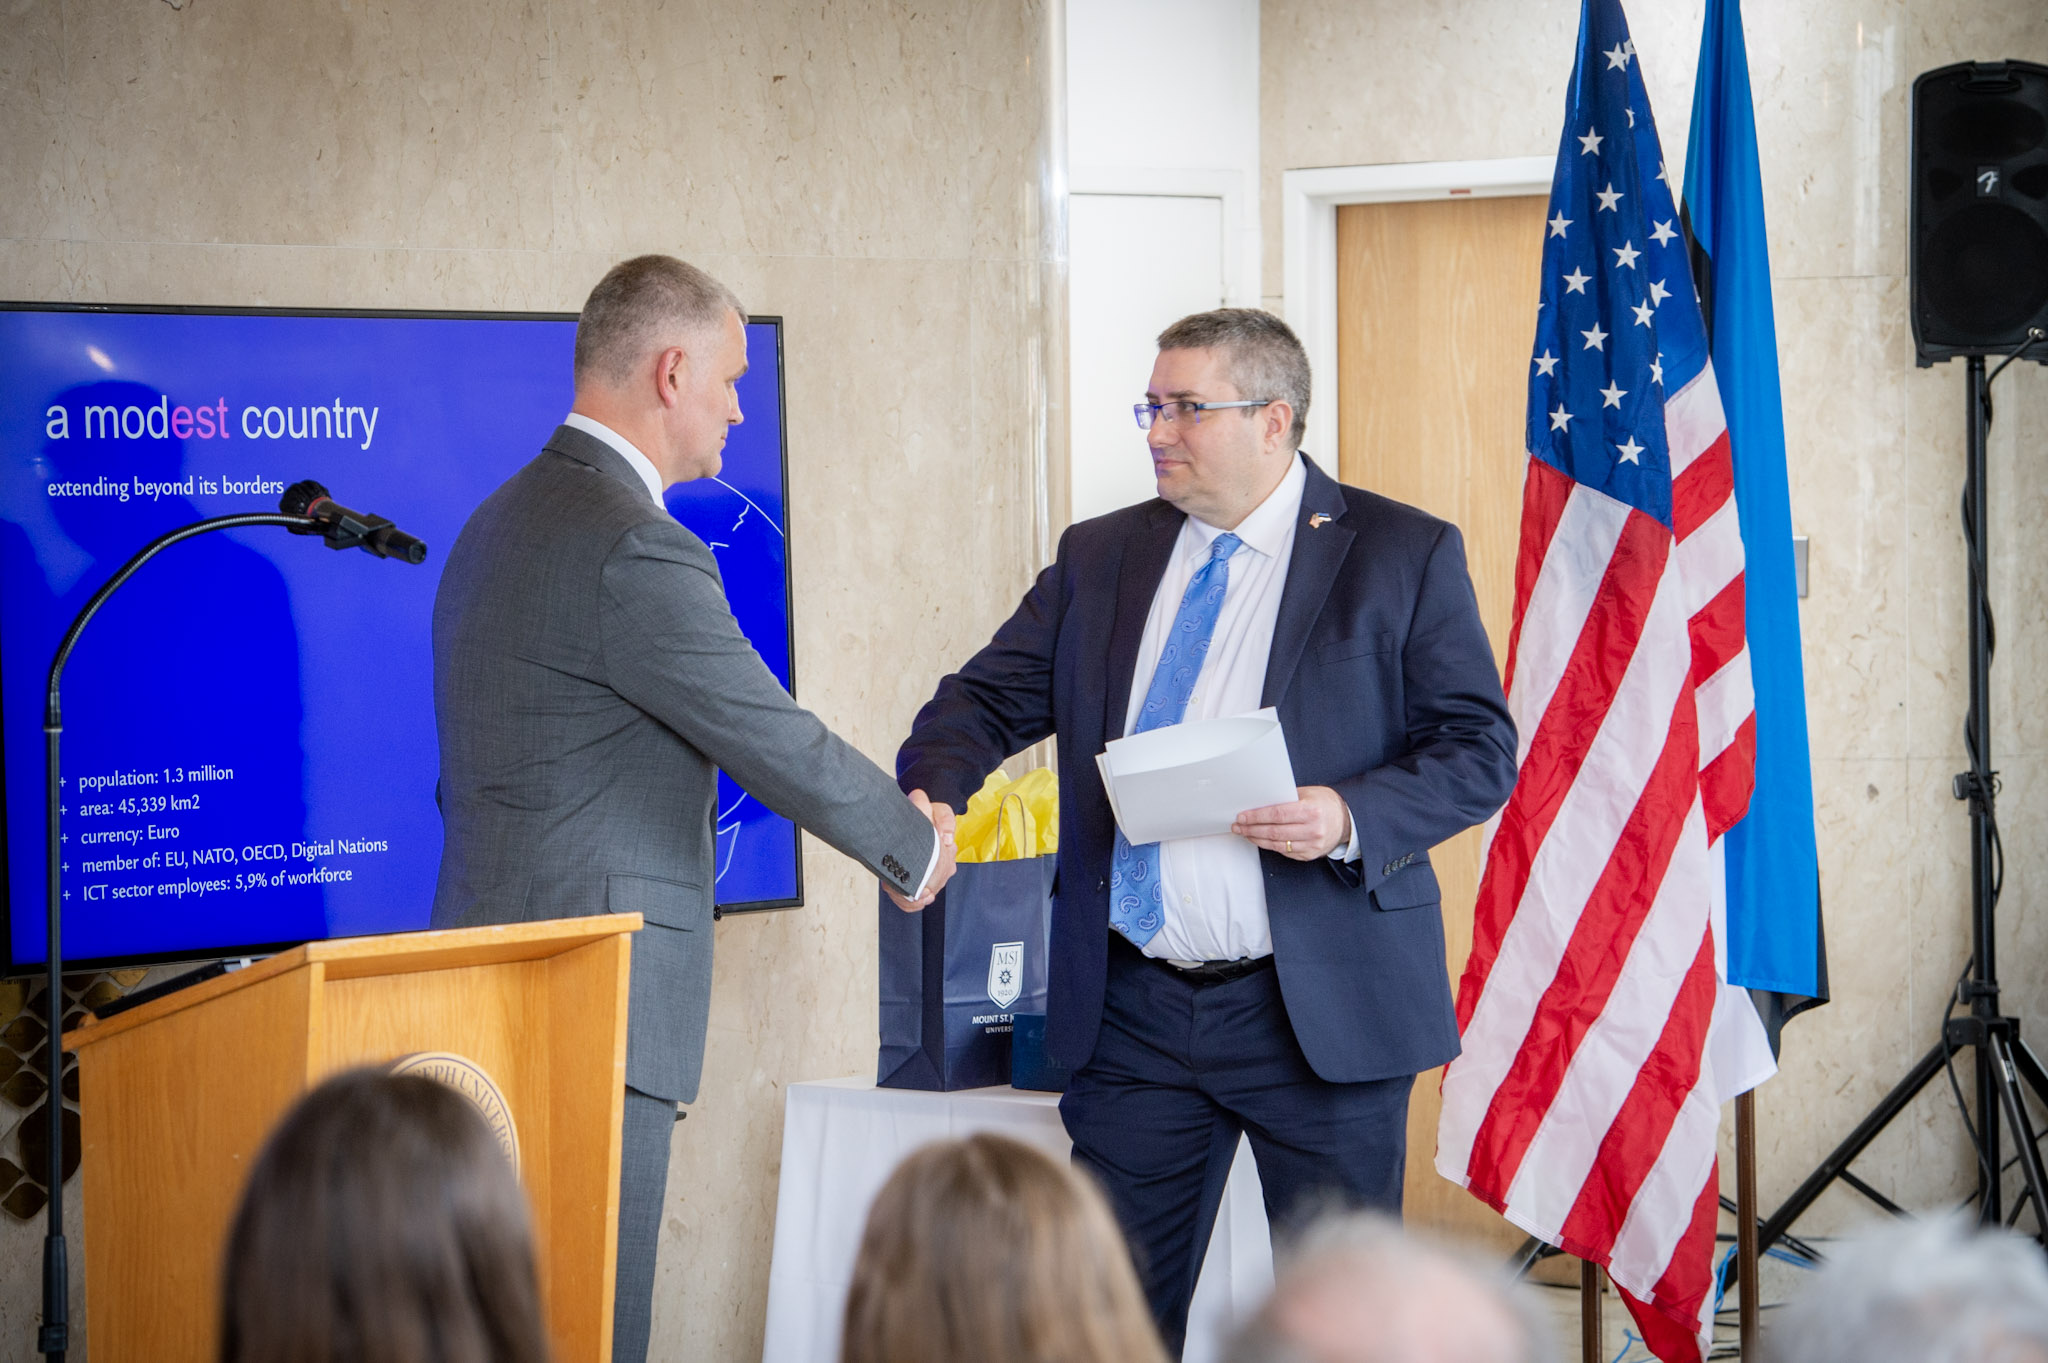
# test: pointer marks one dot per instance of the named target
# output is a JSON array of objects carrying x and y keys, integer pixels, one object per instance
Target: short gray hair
[
  {"x": 643, "y": 305},
  {"x": 1370, "y": 1259},
  {"x": 1934, "y": 1291},
  {"x": 1261, "y": 356}
]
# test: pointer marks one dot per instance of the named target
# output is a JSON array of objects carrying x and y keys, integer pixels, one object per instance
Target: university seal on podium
[{"x": 467, "y": 1078}]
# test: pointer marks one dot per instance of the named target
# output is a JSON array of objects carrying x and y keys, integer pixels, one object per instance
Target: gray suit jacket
[{"x": 589, "y": 681}]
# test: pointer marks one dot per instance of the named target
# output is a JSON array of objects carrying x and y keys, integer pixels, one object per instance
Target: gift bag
[{"x": 954, "y": 976}]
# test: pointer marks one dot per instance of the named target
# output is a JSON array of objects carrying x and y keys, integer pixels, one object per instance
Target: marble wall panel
[
  {"x": 32, "y": 108},
  {"x": 1936, "y": 34},
  {"x": 1936, "y": 559},
  {"x": 1485, "y": 78},
  {"x": 875, "y": 174},
  {"x": 2022, "y": 941},
  {"x": 235, "y": 121},
  {"x": 261, "y": 275},
  {"x": 2017, "y": 459},
  {"x": 1846, "y": 457},
  {"x": 1887, "y": 926},
  {"x": 1828, "y": 82},
  {"x": 1344, "y": 85},
  {"x": 869, "y": 128}
]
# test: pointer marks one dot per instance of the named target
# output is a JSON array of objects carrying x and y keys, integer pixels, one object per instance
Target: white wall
[
  {"x": 1163, "y": 166},
  {"x": 1135, "y": 262}
]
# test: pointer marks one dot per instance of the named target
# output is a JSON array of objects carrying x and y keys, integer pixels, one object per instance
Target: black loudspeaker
[{"x": 1980, "y": 209}]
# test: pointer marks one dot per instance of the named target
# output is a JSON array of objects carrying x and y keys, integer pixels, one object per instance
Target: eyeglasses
[{"x": 1171, "y": 412}]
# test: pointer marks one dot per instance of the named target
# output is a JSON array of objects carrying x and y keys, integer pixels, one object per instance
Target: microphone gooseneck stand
[{"x": 346, "y": 531}]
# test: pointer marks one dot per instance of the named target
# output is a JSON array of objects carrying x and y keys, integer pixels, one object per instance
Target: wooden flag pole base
[
  {"x": 1589, "y": 1311},
  {"x": 1745, "y": 1223}
]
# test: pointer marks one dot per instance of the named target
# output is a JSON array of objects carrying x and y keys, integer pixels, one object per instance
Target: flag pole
[
  {"x": 1589, "y": 1311},
  {"x": 1745, "y": 1222}
]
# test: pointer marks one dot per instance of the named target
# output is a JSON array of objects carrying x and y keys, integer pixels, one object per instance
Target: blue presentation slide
[{"x": 249, "y": 756}]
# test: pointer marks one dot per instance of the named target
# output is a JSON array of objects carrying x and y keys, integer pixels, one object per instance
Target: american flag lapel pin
[{"x": 1315, "y": 521}]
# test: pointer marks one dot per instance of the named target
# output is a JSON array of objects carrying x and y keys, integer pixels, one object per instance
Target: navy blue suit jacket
[{"x": 1387, "y": 691}]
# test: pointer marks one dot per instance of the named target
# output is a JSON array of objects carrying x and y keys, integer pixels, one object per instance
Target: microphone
[{"x": 346, "y": 529}]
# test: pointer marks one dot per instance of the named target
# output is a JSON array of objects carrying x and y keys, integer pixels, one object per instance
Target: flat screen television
[{"x": 249, "y": 755}]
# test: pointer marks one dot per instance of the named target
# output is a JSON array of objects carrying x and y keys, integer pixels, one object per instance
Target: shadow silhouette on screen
[{"x": 184, "y": 755}]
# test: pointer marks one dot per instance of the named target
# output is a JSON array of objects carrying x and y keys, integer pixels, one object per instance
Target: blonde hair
[{"x": 989, "y": 1250}]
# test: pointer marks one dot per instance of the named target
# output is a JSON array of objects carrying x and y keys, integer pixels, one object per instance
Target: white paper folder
[{"x": 1193, "y": 780}]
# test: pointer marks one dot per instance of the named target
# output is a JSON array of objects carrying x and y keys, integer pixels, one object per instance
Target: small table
[{"x": 841, "y": 1138}]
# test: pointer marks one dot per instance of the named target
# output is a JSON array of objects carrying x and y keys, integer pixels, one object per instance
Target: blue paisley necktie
[{"x": 1136, "y": 905}]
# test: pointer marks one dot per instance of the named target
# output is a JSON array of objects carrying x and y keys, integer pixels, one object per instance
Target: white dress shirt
[
  {"x": 1213, "y": 888},
  {"x": 651, "y": 476},
  {"x": 627, "y": 451}
]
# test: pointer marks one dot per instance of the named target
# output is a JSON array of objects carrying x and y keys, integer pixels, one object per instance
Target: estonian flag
[{"x": 1775, "y": 946}]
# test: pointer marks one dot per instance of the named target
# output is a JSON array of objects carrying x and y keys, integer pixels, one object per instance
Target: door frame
[{"x": 1309, "y": 200}]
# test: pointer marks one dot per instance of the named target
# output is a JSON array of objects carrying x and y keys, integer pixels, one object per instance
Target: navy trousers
[{"x": 1180, "y": 1070}]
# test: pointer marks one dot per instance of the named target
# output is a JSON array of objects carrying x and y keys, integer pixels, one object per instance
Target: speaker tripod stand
[{"x": 2006, "y": 1067}]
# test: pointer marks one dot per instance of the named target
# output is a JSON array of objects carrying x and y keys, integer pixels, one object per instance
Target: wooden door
[{"x": 1436, "y": 305}]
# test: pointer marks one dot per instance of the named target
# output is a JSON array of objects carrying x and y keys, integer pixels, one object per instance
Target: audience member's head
[
  {"x": 381, "y": 1224},
  {"x": 1919, "y": 1292},
  {"x": 1356, "y": 1289},
  {"x": 987, "y": 1250}
]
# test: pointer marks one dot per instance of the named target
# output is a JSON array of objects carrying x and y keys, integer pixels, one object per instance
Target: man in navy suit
[{"x": 1287, "y": 979}]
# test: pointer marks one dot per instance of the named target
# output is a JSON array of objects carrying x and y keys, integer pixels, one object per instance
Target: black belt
[{"x": 1206, "y": 972}]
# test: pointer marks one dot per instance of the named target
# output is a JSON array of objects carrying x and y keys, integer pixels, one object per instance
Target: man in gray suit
[{"x": 589, "y": 683}]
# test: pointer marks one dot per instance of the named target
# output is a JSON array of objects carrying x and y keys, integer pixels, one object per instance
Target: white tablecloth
[{"x": 842, "y": 1137}]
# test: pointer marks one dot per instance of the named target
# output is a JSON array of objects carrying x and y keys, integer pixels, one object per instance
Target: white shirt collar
[
  {"x": 1270, "y": 526},
  {"x": 639, "y": 462}
]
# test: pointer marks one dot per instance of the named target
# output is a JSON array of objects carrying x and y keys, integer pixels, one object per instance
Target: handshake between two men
[
  {"x": 1315, "y": 824},
  {"x": 590, "y": 683}
]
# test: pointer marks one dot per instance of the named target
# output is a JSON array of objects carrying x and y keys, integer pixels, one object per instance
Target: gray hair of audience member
[
  {"x": 382, "y": 1224},
  {"x": 1262, "y": 356},
  {"x": 1936, "y": 1291},
  {"x": 1356, "y": 1288},
  {"x": 641, "y": 307}
]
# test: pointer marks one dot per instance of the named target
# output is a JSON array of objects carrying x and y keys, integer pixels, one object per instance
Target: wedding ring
[{"x": 1290, "y": 847}]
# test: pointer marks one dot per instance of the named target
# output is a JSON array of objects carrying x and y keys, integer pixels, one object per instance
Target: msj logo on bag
[{"x": 1005, "y": 973}]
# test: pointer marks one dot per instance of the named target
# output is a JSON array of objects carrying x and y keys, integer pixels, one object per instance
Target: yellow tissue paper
[{"x": 1008, "y": 820}]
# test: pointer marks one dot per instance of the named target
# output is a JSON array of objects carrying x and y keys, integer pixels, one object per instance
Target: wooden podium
[{"x": 177, "y": 1096}]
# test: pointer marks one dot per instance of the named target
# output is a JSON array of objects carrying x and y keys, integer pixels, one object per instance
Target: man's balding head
[
  {"x": 660, "y": 349},
  {"x": 1356, "y": 1289},
  {"x": 1934, "y": 1291},
  {"x": 641, "y": 307}
]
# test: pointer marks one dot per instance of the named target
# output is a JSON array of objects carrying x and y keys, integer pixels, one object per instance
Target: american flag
[{"x": 1594, "y": 1011}]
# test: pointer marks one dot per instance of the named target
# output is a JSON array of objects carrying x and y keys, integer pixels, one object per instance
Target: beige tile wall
[
  {"x": 873, "y": 171},
  {"x": 1875, "y": 451}
]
